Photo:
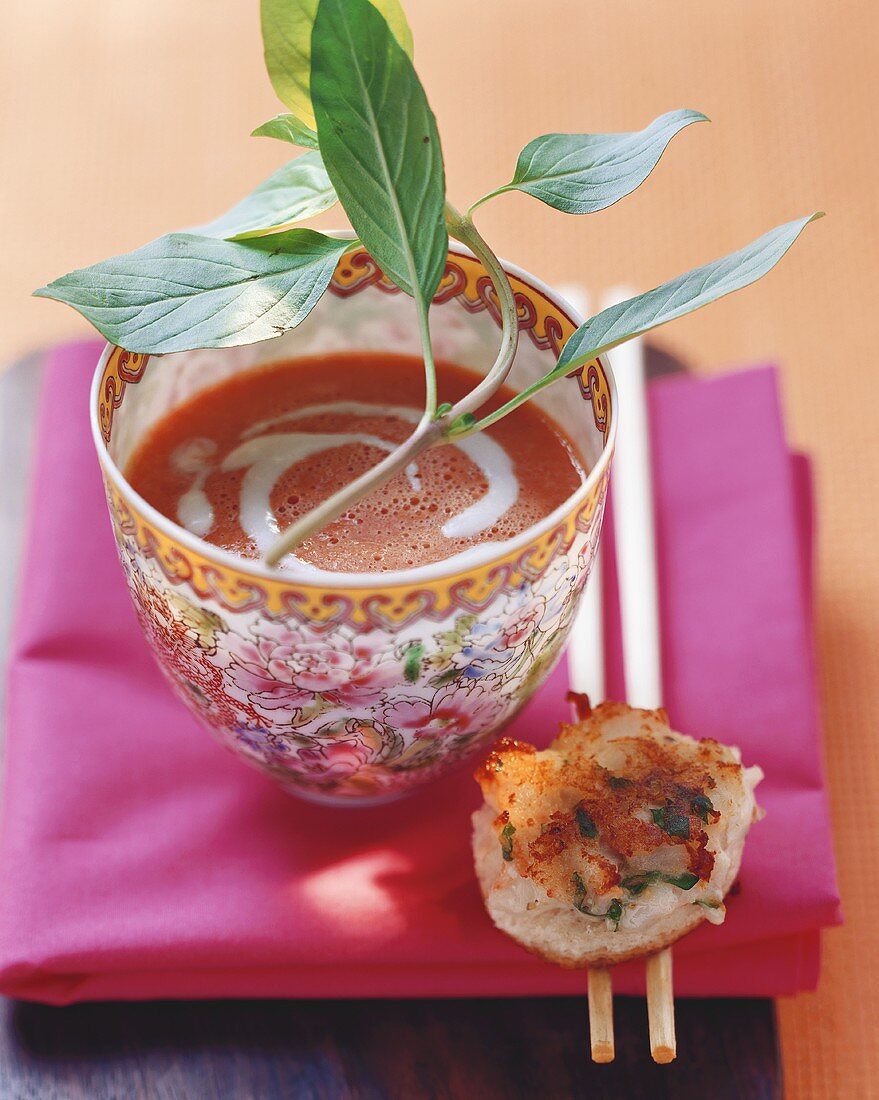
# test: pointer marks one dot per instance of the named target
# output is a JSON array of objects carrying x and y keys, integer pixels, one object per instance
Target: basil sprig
[
  {"x": 343, "y": 70},
  {"x": 615, "y": 913}
]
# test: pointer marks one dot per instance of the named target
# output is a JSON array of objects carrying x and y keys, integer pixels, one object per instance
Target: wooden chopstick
[
  {"x": 601, "y": 1014},
  {"x": 635, "y": 543},
  {"x": 586, "y": 675},
  {"x": 661, "y": 1007}
]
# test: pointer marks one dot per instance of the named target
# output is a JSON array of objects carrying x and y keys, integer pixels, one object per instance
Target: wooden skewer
[
  {"x": 586, "y": 675},
  {"x": 587, "y": 652},
  {"x": 661, "y": 1007},
  {"x": 639, "y": 610},
  {"x": 601, "y": 1014}
]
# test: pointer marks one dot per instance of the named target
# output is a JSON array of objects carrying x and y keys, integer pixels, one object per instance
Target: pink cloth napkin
[{"x": 138, "y": 859}]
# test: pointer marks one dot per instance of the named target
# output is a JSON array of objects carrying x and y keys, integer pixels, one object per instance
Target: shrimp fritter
[{"x": 613, "y": 842}]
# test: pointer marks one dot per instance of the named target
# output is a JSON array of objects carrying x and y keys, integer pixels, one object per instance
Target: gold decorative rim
[
  {"x": 385, "y": 601},
  {"x": 383, "y": 606}
]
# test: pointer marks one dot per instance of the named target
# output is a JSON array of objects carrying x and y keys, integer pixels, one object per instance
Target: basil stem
[
  {"x": 429, "y": 432},
  {"x": 461, "y": 227}
]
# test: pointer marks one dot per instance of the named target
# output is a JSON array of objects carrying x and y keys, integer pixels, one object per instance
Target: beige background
[{"x": 122, "y": 119}]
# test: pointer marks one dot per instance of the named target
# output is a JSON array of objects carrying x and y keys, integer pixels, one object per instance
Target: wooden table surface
[
  {"x": 121, "y": 119},
  {"x": 367, "y": 1050}
]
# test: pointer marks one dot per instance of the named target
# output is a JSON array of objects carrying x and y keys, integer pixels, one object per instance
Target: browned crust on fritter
[
  {"x": 606, "y": 802},
  {"x": 494, "y": 762},
  {"x": 660, "y": 769}
]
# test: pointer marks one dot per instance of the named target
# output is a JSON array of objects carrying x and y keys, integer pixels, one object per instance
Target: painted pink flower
[
  {"x": 262, "y": 668},
  {"x": 336, "y": 759},
  {"x": 283, "y": 667},
  {"x": 518, "y": 629},
  {"x": 356, "y": 672},
  {"x": 537, "y": 612},
  {"x": 453, "y": 712},
  {"x": 341, "y": 750}
]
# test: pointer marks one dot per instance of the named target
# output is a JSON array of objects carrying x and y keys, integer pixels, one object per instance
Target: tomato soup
[{"x": 241, "y": 460}]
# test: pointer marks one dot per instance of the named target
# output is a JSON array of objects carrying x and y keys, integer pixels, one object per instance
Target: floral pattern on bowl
[{"x": 361, "y": 691}]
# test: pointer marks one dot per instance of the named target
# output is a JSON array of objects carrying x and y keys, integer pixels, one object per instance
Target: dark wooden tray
[{"x": 259, "y": 1050}]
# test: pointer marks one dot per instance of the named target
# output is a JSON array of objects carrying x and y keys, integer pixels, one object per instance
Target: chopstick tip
[{"x": 602, "y": 1052}]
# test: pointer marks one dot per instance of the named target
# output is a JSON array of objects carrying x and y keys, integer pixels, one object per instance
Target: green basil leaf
[
  {"x": 582, "y": 173},
  {"x": 288, "y": 128},
  {"x": 636, "y": 884},
  {"x": 184, "y": 291},
  {"x": 672, "y": 821},
  {"x": 286, "y": 33},
  {"x": 613, "y": 913},
  {"x": 507, "y": 842},
  {"x": 580, "y": 893},
  {"x": 380, "y": 143},
  {"x": 585, "y": 823},
  {"x": 678, "y": 297},
  {"x": 298, "y": 190},
  {"x": 685, "y": 881},
  {"x": 702, "y": 807}
]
